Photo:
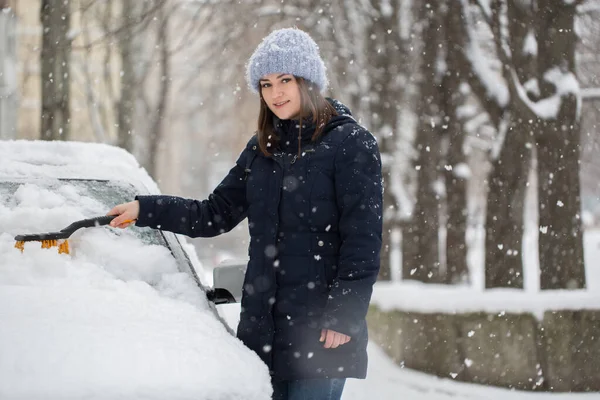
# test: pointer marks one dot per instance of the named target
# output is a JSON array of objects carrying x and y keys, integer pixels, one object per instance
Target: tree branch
[
  {"x": 144, "y": 18},
  {"x": 485, "y": 12},
  {"x": 493, "y": 104},
  {"x": 590, "y": 93}
]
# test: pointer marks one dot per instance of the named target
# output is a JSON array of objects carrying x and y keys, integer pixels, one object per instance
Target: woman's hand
[
  {"x": 333, "y": 339},
  {"x": 127, "y": 213}
]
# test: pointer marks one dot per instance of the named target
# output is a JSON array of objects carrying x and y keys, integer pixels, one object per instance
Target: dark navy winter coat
[{"x": 315, "y": 226}]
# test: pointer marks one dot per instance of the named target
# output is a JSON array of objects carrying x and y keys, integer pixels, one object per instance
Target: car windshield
[{"x": 93, "y": 197}]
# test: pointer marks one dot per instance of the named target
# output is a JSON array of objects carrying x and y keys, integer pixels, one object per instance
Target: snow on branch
[
  {"x": 587, "y": 7},
  {"x": 590, "y": 94},
  {"x": 485, "y": 8},
  {"x": 493, "y": 82},
  {"x": 530, "y": 46},
  {"x": 566, "y": 84}
]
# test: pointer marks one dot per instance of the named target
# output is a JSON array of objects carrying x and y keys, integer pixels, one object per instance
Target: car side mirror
[{"x": 228, "y": 280}]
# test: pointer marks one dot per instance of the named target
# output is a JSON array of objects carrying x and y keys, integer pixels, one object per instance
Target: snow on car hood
[{"x": 113, "y": 319}]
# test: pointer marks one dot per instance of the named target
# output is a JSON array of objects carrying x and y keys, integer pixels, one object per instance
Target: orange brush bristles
[
  {"x": 63, "y": 248},
  {"x": 46, "y": 244}
]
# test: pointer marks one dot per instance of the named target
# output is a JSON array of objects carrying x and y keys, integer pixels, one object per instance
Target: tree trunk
[
  {"x": 384, "y": 55},
  {"x": 9, "y": 89},
  {"x": 129, "y": 80},
  {"x": 55, "y": 16},
  {"x": 561, "y": 236},
  {"x": 505, "y": 210},
  {"x": 455, "y": 180},
  {"x": 420, "y": 244},
  {"x": 509, "y": 176},
  {"x": 156, "y": 130}
]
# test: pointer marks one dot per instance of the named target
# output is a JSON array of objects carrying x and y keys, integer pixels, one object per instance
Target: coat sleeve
[
  {"x": 359, "y": 196},
  {"x": 225, "y": 207}
]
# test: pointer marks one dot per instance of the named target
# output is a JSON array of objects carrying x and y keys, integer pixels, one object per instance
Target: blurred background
[{"x": 465, "y": 97}]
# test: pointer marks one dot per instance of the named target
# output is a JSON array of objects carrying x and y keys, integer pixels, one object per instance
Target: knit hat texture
[{"x": 287, "y": 51}]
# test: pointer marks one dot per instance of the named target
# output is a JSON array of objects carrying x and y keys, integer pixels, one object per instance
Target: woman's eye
[
  {"x": 285, "y": 80},
  {"x": 265, "y": 85}
]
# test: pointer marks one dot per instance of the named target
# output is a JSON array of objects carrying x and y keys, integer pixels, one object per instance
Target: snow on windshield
[{"x": 113, "y": 319}]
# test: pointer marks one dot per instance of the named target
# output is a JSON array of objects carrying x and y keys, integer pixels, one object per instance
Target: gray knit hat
[{"x": 288, "y": 51}]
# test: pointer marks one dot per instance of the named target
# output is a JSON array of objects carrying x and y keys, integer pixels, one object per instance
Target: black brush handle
[
  {"x": 65, "y": 233},
  {"x": 36, "y": 237},
  {"x": 88, "y": 223}
]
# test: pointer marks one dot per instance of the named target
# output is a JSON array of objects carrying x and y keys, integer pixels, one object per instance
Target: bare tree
[
  {"x": 155, "y": 137},
  {"x": 8, "y": 86},
  {"x": 387, "y": 56},
  {"x": 540, "y": 113},
  {"x": 55, "y": 59},
  {"x": 561, "y": 236},
  {"x": 129, "y": 49},
  {"x": 509, "y": 177},
  {"x": 420, "y": 244},
  {"x": 455, "y": 165}
]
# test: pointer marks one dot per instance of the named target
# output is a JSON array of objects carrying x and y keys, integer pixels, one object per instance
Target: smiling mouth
[{"x": 281, "y": 104}]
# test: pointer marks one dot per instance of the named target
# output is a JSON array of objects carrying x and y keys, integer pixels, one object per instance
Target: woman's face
[{"x": 282, "y": 95}]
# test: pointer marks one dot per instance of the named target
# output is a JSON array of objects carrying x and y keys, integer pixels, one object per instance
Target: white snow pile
[
  {"x": 24, "y": 158},
  {"x": 115, "y": 319},
  {"x": 407, "y": 295}
]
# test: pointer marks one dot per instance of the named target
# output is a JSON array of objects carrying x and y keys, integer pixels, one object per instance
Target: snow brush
[{"x": 54, "y": 239}]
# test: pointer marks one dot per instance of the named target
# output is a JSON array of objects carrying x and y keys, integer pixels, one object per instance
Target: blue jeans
[{"x": 309, "y": 389}]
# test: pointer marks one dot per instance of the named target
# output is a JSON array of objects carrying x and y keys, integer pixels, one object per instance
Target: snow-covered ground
[
  {"x": 387, "y": 381},
  {"x": 420, "y": 297}
]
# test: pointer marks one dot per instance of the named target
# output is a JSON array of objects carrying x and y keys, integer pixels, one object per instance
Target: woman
[{"x": 309, "y": 182}]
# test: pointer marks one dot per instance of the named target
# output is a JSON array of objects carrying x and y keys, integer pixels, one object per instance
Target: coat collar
[{"x": 288, "y": 131}]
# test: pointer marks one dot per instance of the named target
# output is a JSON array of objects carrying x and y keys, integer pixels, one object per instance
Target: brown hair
[{"x": 313, "y": 104}]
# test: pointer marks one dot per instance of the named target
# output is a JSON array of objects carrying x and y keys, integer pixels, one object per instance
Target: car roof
[{"x": 72, "y": 160}]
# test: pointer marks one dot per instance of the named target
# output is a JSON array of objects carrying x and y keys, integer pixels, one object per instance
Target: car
[{"x": 123, "y": 314}]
